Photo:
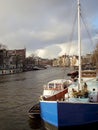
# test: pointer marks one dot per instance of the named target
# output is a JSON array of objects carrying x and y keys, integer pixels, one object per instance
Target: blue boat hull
[{"x": 63, "y": 114}]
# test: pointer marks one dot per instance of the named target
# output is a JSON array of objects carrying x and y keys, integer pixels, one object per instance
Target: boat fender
[{"x": 93, "y": 96}]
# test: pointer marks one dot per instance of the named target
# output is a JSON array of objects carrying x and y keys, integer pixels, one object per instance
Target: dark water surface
[{"x": 19, "y": 92}]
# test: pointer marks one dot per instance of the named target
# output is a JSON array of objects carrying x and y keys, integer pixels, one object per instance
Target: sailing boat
[{"x": 80, "y": 106}]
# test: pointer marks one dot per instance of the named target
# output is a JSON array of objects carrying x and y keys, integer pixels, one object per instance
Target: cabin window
[
  {"x": 58, "y": 85},
  {"x": 51, "y": 85}
]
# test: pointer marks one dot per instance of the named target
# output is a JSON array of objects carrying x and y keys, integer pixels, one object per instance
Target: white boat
[{"x": 80, "y": 105}]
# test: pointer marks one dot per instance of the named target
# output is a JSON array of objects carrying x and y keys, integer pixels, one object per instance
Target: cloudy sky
[{"x": 48, "y": 28}]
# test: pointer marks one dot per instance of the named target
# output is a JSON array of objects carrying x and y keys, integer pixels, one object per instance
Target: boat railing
[
  {"x": 46, "y": 87},
  {"x": 58, "y": 96}
]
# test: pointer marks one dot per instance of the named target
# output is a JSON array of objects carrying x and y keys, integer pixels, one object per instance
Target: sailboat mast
[{"x": 79, "y": 43}]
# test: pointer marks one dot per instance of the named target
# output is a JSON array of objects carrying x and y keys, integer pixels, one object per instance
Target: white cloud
[
  {"x": 49, "y": 52},
  {"x": 45, "y": 26}
]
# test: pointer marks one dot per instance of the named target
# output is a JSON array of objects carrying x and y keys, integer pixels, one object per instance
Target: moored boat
[
  {"x": 88, "y": 74},
  {"x": 73, "y": 74},
  {"x": 80, "y": 105},
  {"x": 34, "y": 111}
]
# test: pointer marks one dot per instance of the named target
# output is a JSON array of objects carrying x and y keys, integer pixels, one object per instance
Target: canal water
[{"x": 19, "y": 92}]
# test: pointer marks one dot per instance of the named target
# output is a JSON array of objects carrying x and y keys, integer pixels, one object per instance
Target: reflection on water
[
  {"x": 35, "y": 123},
  {"x": 86, "y": 126}
]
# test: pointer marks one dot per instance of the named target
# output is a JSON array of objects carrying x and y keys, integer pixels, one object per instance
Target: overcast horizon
[{"x": 45, "y": 27}]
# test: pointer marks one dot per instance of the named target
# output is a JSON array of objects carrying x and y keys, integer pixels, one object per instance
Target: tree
[
  {"x": 95, "y": 56},
  {"x": 18, "y": 59},
  {"x": 2, "y": 46}
]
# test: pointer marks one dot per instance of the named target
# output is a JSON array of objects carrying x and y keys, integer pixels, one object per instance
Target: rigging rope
[
  {"x": 87, "y": 29},
  {"x": 72, "y": 32}
]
